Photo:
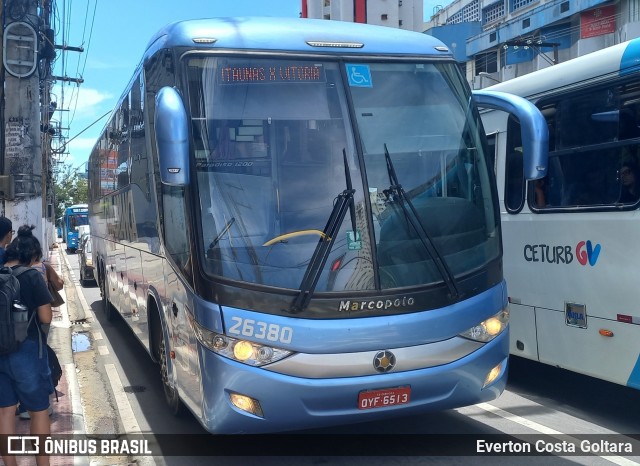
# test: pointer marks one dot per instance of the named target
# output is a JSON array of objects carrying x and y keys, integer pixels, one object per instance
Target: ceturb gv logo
[{"x": 585, "y": 252}]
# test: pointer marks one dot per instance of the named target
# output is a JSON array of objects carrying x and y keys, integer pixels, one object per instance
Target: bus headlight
[
  {"x": 489, "y": 329},
  {"x": 247, "y": 352}
]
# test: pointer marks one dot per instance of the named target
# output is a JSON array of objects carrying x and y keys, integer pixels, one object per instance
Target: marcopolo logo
[
  {"x": 355, "y": 306},
  {"x": 585, "y": 252}
]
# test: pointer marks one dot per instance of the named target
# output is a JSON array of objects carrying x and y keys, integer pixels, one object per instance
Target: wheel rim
[{"x": 164, "y": 369}]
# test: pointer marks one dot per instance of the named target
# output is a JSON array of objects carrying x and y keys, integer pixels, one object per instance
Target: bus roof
[
  {"x": 295, "y": 35},
  {"x": 616, "y": 60},
  {"x": 76, "y": 206}
]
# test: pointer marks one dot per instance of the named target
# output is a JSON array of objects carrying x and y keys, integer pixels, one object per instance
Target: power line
[{"x": 64, "y": 146}]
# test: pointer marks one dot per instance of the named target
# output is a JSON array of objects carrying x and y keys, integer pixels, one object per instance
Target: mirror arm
[{"x": 535, "y": 133}]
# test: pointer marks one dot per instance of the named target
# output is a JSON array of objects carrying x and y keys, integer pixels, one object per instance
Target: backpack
[
  {"x": 55, "y": 367},
  {"x": 13, "y": 325}
]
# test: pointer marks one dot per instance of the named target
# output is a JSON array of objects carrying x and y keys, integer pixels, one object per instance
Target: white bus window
[
  {"x": 514, "y": 174},
  {"x": 594, "y": 156}
]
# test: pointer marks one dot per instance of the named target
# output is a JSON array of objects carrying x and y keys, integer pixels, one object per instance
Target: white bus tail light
[{"x": 488, "y": 329}]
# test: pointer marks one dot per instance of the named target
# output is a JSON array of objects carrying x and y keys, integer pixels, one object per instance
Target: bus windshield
[
  {"x": 273, "y": 145},
  {"x": 76, "y": 220}
]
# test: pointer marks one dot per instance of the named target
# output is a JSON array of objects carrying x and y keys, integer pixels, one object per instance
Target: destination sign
[{"x": 275, "y": 73}]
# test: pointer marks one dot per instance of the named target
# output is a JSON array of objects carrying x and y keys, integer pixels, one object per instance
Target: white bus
[{"x": 570, "y": 250}]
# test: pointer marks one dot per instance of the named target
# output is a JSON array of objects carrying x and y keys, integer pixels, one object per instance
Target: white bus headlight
[
  {"x": 489, "y": 329},
  {"x": 247, "y": 352}
]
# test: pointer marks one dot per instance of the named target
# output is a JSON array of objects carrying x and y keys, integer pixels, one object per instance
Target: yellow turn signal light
[
  {"x": 246, "y": 403},
  {"x": 492, "y": 375}
]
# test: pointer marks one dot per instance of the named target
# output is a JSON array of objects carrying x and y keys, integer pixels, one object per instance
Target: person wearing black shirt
[{"x": 25, "y": 376}]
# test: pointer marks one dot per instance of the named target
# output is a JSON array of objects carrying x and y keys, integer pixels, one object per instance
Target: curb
[
  {"x": 61, "y": 341},
  {"x": 70, "y": 368},
  {"x": 83, "y": 312}
]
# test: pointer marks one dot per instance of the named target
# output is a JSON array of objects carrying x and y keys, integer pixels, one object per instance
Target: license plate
[{"x": 386, "y": 397}]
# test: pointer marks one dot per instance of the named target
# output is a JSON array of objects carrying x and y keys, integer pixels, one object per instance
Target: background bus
[
  {"x": 304, "y": 232},
  {"x": 570, "y": 239},
  {"x": 74, "y": 216}
]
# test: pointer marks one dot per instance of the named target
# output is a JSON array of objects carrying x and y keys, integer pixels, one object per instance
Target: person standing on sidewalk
[
  {"x": 24, "y": 374},
  {"x": 6, "y": 233},
  {"x": 54, "y": 283}
]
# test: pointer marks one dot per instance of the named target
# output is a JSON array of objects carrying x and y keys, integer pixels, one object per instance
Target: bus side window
[
  {"x": 514, "y": 175},
  {"x": 176, "y": 228}
]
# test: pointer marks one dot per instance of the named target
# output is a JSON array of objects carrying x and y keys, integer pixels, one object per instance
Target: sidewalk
[{"x": 67, "y": 417}]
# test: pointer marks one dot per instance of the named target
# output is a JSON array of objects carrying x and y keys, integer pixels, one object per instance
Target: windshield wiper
[
  {"x": 217, "y": 239},
  {"x": 396, "y": 193},
  {"x": 343, "y": 202}
]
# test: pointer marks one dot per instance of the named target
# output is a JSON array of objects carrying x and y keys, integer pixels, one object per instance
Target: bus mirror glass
[
  {"x": 535, "y": 133},
  {"x": 172, "y": 137}
]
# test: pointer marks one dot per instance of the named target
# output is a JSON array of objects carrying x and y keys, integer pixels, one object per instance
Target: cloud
[
  {"x": 82, "y": 119},
  {"x": 82, "y": 102}
]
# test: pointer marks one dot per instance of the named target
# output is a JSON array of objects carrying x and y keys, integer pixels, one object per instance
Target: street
[{"x": 539, "y": 401}]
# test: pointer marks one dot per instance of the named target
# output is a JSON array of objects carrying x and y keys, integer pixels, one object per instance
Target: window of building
[
  {"x": 493, "y": 12},
  {"x": 469, "y": 13},
  {"x": 486, "y": 62},
  {"x": 517, "y": 4}
]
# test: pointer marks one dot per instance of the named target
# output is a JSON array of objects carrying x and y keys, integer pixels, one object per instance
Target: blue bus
[
  {"x": 299, "y": 222},
  {"x": 74, "y": 216}
]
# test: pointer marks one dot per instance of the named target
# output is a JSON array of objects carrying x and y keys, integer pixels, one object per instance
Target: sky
[{"x": 114, "y": 34}]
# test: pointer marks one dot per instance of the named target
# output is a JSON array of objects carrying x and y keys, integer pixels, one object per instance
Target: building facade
[
  {"x": 499, "y": 40},
  {"x": 403, "y": 14}
]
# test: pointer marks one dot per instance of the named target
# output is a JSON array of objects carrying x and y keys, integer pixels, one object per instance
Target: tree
[{"x": 70, "y": 187}]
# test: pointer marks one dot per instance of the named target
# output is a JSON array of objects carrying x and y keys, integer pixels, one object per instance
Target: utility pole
[{"x": 21, "y": 182}]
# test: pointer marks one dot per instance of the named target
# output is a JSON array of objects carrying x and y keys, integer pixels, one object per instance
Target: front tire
[
  {"x": 107, "y": 307},
  {"x": 170, "y": 391}
]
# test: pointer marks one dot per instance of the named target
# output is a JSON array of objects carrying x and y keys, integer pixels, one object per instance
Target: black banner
[{"x": 324, "y": 445}]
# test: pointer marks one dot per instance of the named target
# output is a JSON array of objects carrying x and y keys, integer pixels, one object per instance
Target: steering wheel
[{"x": 293, "y": 234}]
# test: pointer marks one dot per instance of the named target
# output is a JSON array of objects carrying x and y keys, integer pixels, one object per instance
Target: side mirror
[
  {"x": 535, "y": 133},
  {"x": 172, "y": 137}
]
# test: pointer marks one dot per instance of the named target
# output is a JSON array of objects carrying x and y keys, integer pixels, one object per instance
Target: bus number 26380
[{"x": 261, "y": 330}]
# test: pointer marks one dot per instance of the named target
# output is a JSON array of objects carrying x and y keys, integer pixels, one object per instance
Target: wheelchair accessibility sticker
[{"x": 359, "y": 75}]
